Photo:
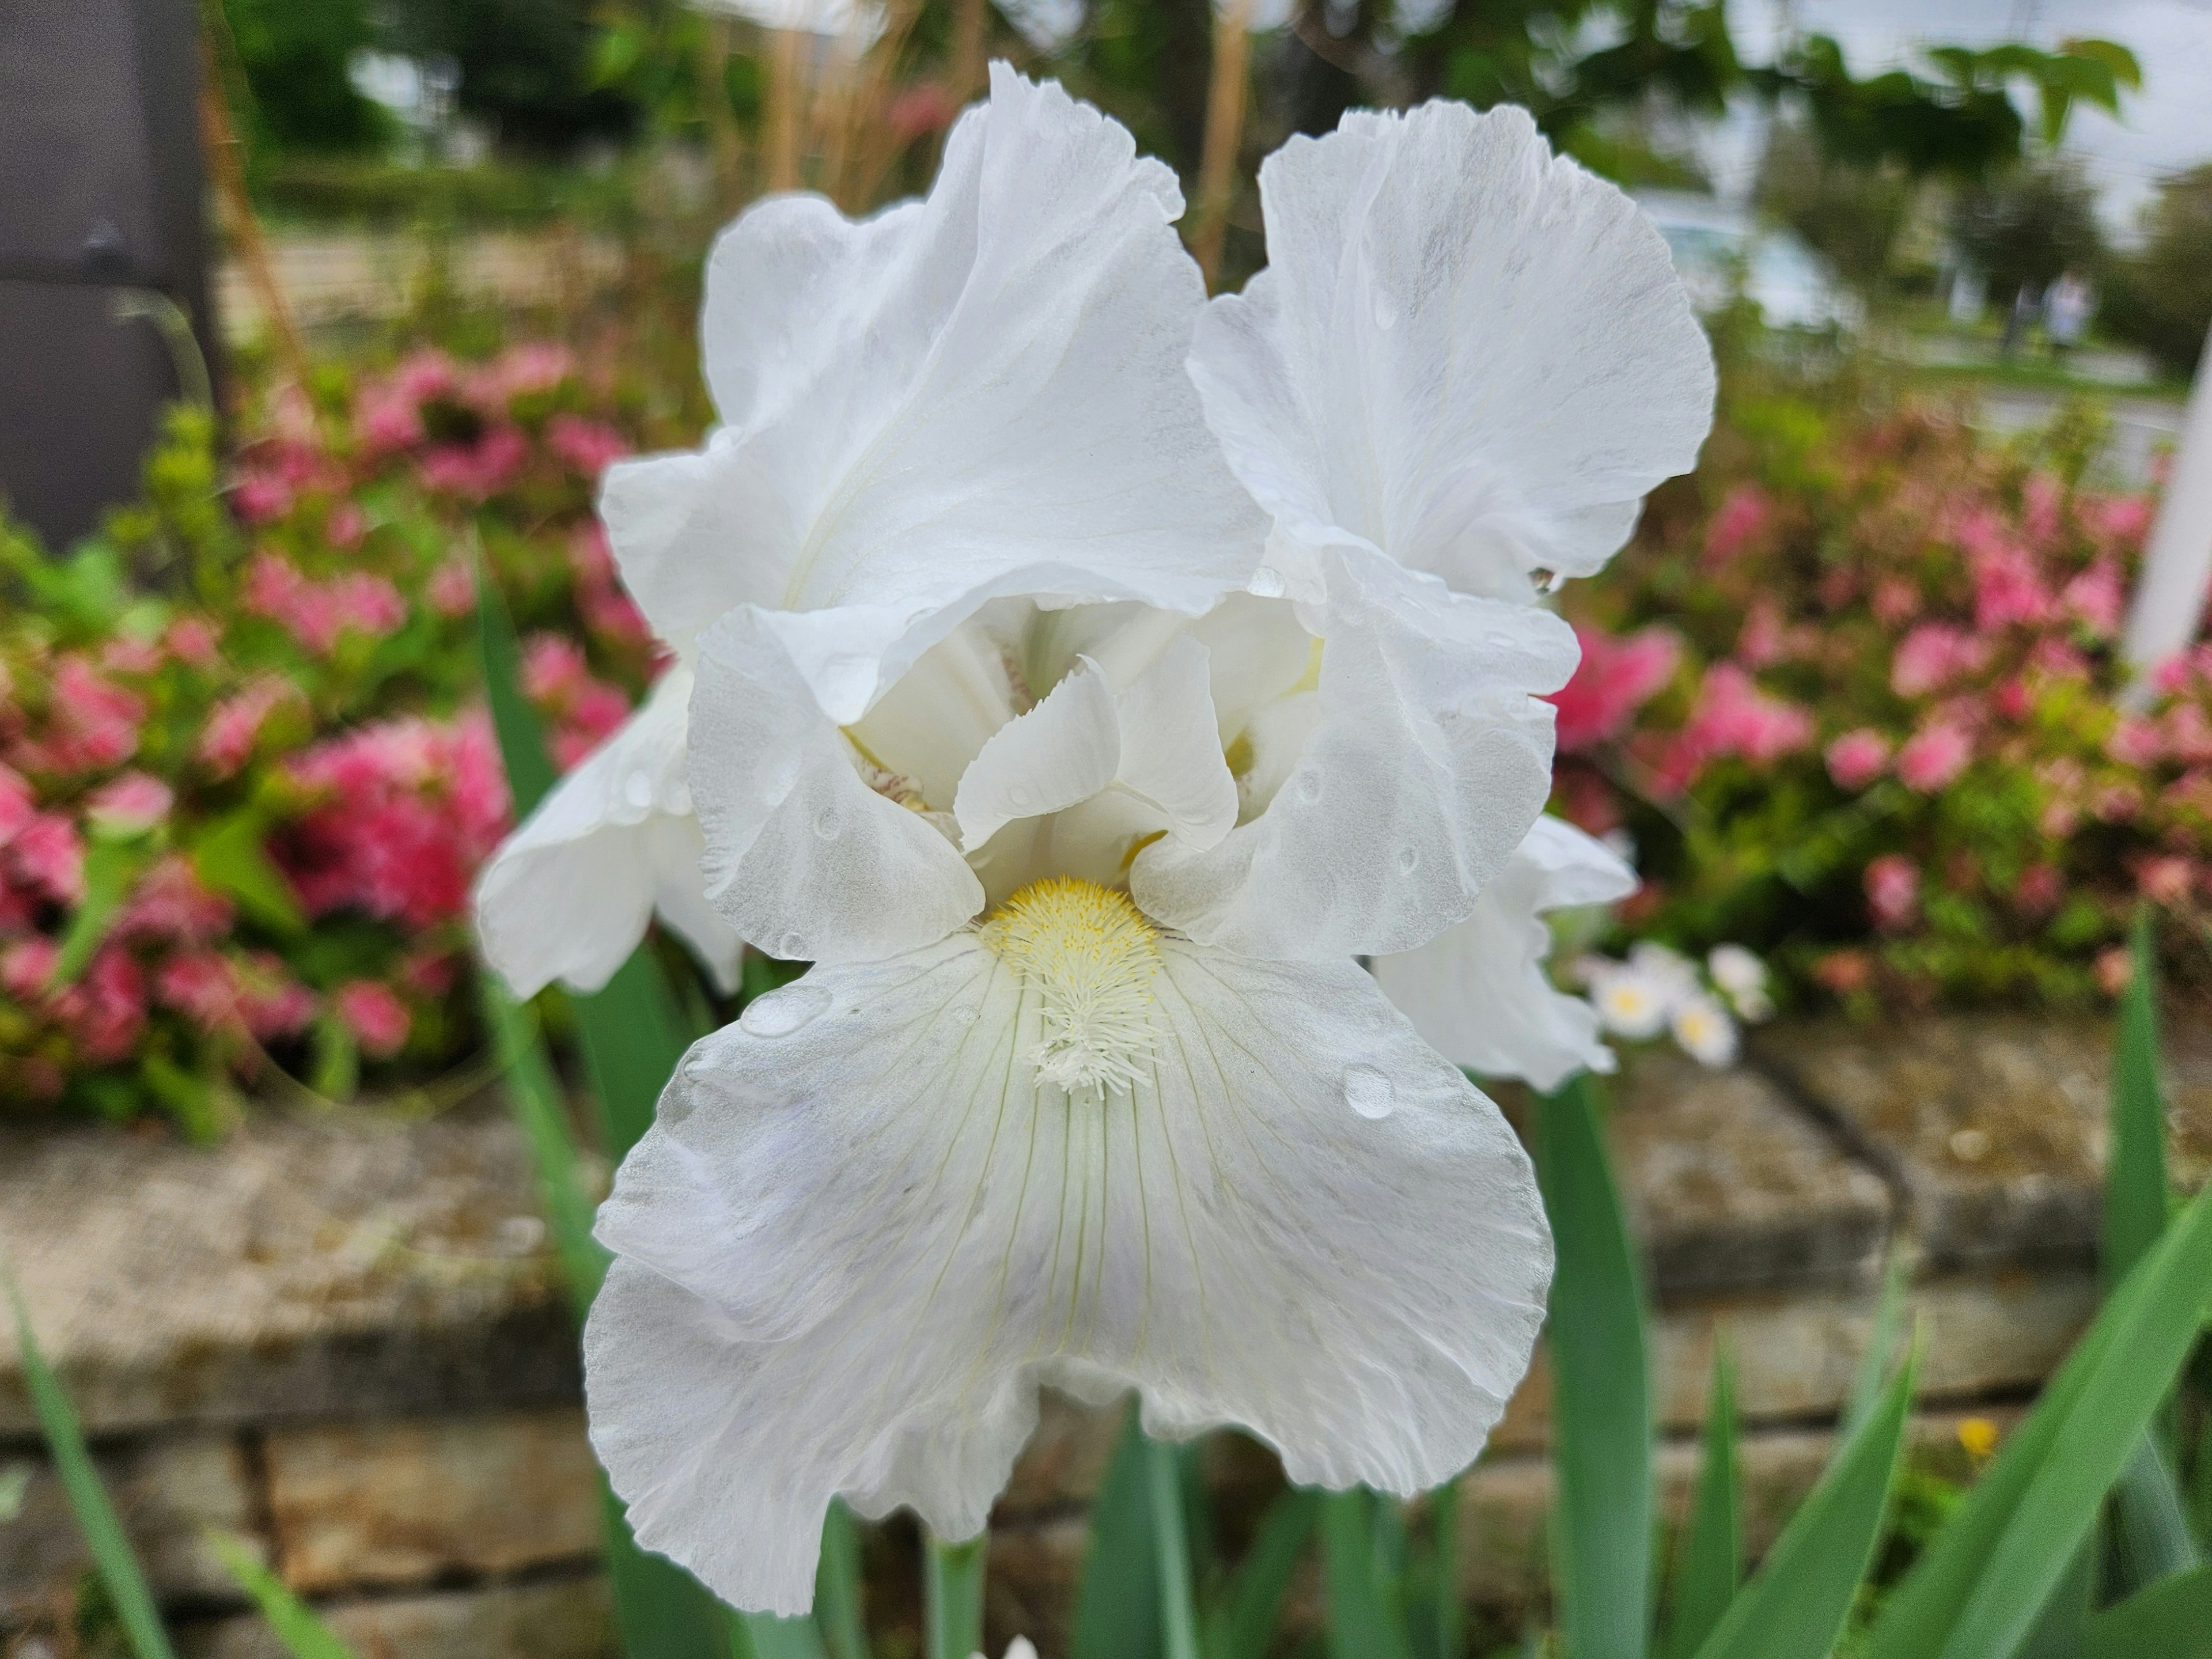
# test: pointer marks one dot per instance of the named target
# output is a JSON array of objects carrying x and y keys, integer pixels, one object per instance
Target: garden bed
[{"x": 341, "y": 1337}]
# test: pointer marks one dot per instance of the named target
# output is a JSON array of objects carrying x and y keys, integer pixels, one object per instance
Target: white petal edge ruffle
[
  {"x": 1416, "y": 773},
  {"x": 858, "y": 1240},
  {"x": 1477, "y": 992},
  {"x": 916, "y": 403},
  {"x": 1464, "y": 351},
  {"x": 570, "y": 893}
]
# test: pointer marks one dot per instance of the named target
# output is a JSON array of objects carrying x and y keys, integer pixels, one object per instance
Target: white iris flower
[
  {"x": 1083, "y": 813},
  {"x": 1472, "y": 357}
]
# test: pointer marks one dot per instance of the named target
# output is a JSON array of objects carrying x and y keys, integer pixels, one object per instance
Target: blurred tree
[
  {"x": 1849, "y": 212},
  {"x": 2160, "y": 298},
  {"x": 526, "y": 66},
  {"x": 2027, "y": 225},
  {"x": 292, "y": 56}
]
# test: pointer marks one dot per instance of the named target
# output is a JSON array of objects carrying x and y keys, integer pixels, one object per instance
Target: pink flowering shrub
[
  {"x": 246, "y": 779},
  {"x": 1886, "y": 753}
]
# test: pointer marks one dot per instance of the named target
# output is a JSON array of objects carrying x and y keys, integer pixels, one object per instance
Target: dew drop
[
  {"x": 1386, "y": 312},
  {"x": 782, "y": 1012},
  {"x": 1407, "y": 858},
  {"x": 792, "y": 947},
  {"x": 1019, "y": 794},
  {"x": 1368, "y": 1092},
  {"x": 968, "y": 1013},
  {"x": 1267, "y": 583},
  {"x": 637, "y": 789},
  {"x": 825, "y": 823},
  {"x": 1309, "y": 785}
]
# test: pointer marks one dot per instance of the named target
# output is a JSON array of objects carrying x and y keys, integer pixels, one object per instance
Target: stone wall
[{"x": 340, "y": 1339}]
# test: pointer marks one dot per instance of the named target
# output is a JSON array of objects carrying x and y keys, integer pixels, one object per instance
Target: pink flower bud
[
  {"x": 377, "y": 1019},
  {"x": 1857, "y": 758},
  {"x": 1933, "y": 756},
  {"x": 1893, "y": 891}
]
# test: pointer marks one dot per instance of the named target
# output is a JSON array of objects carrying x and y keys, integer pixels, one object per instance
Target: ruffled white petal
[
  {"x": 1477, "y": 991},
  {"x": 803, "y": 858},
  {"x": 1171, "y": 748},
  {"x": 1464, "y": 351},
  {"x": 569, "y": 894},
  {"x": 920, "y": 401},
  {"x": 860, "y": 1235},
  {"x": 1064, "y": 750},
  {"x": 1427, "y": 759}
]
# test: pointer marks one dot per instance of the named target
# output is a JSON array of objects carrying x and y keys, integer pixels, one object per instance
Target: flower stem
[
  {"x": 952, "y": 1596},
  {"x": 1178, "y": 1620}
]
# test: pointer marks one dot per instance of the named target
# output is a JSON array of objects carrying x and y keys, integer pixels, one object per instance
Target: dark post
[{"x": 101, "y": 204}]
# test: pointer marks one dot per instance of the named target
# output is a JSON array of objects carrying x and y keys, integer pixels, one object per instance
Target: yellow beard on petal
[{"x": 1090, "y": 955}]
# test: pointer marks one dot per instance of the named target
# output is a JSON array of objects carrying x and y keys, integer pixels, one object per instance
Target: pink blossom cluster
[
  {"x": 1615, "y": 679},
  {"x": 585, "y": 710},
  {"x": 404, "y": 811},
  {"x": 319, "y": 613},
  {"x": 1732, "y": 717}
]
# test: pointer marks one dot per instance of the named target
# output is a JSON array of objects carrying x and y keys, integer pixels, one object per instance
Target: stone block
[
  {"x": 563, "y": 1618},
  {"x": 394, "y": 1503},
  {"x": 343, "y": 1268},
  {"x": 1994, "y": 1126},
  {"x": 169, "y": 1492},
  {"x": 1065, "y": 1458},
  {"x": 1796, "y": 1356},
  {"x": 1729, "y": 1185}
]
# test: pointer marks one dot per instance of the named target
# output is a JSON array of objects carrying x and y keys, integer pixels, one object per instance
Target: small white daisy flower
[{"x": 1705, "y": 1031}]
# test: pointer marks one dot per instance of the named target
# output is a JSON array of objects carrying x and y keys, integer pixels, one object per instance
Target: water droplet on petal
[
  {"x": 1309, "y": 786},
  {"x": 1407, "y": 858},
  {"x": 782, "y": 1012},
  {"x": 637, "y": 789},
  {"x": 825, "y": 823},
  {"x": 1019, "y": 794},
  {"x": 1267, "y": 582},
  {"x": 792, "y": 947},
  {"x": 1386, "y": 312},
  {"x": 1368, "y": 1092},
  {"x": 968, "y": 1013}
]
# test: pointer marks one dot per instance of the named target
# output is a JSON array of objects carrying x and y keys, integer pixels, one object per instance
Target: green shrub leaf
[
  {"x": 303, "y": 1634},
  {"x": 1794, "y": 1607},
  {"x": 1601, "y": 1388},
  {"x": 112, "y": 1554},
  {"x": 1712, "y": 1563}
]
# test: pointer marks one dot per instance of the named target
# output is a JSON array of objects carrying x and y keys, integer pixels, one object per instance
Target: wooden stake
[
  {"x": 1224, "y": 133},
  {"x": 786, "y": 96},
  {"x": 226, "y": 156}
]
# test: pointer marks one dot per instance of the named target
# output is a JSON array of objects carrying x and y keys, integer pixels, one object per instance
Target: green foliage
[
  {"x": 292, "y": 56},
  {"x": 526, "y": 67},
  {"x": 2161, "y": 297},
  {"x": 1795, "y": 1605},
  {"x": 952, "y": 1596},
  {"x": 304, "y": 1635},
  {"x": 1601, "y": 1386},
  {"x": 2025, "y": 226},
  {"x": 1711, "y": 1555},
  {"x": 1117, "y": 1606},
  {"x": 112, "y": 1554}
]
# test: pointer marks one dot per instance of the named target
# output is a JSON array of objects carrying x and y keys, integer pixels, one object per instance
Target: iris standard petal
[
  {"x": 803, "y": 857},
  {"x": 1418, "y": 770},
  {"x": 1464, "y": 351},
  {"x": 865, "y": 1229},
  {"x": 568, "y": 894},
  {"x": 1477, "y": 991},
  {"x": 919, "y": 402},
  {"x": 1064, "y": 750}
]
